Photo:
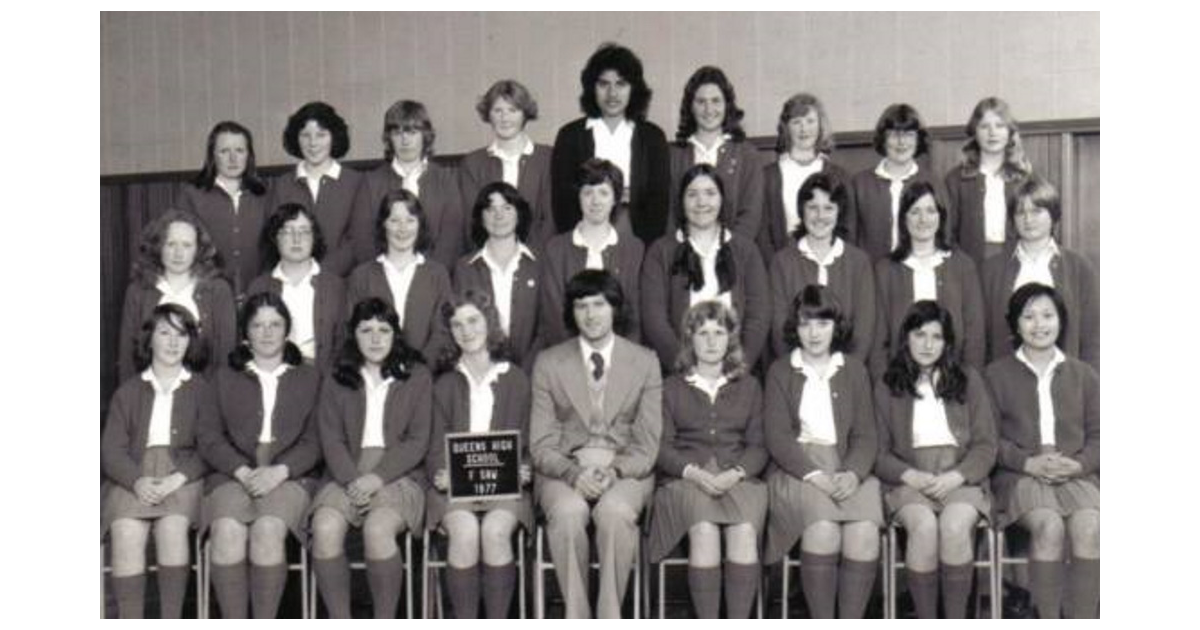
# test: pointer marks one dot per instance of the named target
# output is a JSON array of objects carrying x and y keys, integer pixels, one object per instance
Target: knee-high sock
[
  {"x": 819, "y": 575},
  {"x": 130, "y": 592},
  {"x": 956, "y": 589},
  {"x": 385, "y": 578},
  {"x": 704, "y": 586},
  {"x": 333, "y": 581},
  {"x": 1045, "y": 582},
  {"x": 463, "y": 585},
  {"x": 923, "y": 585},
  {"x": 229, "y": 581},
  {"x": 1084, "y": 582},
  {"x": 266, "y": 588},
  {"x": 499, "y": 582},
  {"x": 855, "y": 582},
  {"x": 172, "y": 583},
  {"x": 741, "y": 585}
]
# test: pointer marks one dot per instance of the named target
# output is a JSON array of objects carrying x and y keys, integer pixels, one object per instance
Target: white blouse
[
  {"x": 823, "y": 264},
  {"x": 482, "y": 395},
  {"x": 503, "y": 277},
  {"x": 1035, "y": 267},
  {"x": 616, "y": 146},
  {"x": 373, "y": 422},
  {"x": 164, "y": 404},
  {"x": 794, "y": 176},
  {"x": 314, "y": 181},
  {"x": 925, "y": 274},
  {"x": 269, "y": 381},
  {"x": 708, "y": 263},
  {"x": 816, "y": 400},
  {"x": 300, "y": 298},
  {"x": 929, "y": 424},
  {"x": 710, "y": 387},
  {"x": 595, "y": 256},
  {"x": 185, "y": 297},
  {"x": 1046, "y": 417},
  {"x": 400, "y": 280},
  {"x": 510, "y": 163},
  {"x": 895, "y": 187},
  {"x": 995, "y": 210}
]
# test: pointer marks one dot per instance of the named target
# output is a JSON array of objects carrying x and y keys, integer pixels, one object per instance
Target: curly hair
[
  {"x": 399, "y": 361},
  {"x": 903, "y": 372},
  {"x": 591, "y": 282},
  {"x": 624, "y": 62},
  {"x": 732, "y": 124},
  {"x": 327, "y": 118},
  {"x": 497, "y": 341},
  {"x": 148, "y": 265},
  {"x": 268, "y": 239},
  {"x": 734, "y": 363}
]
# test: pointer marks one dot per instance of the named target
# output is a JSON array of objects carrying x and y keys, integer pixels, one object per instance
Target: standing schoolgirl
[
  {"x": 292, "y": 244},
  {"x": 374, "y": 421},
  {"x": 820, "y": 432},
  {"x": 937, "y": 443},
  {"x": 504, "y": 268},
  {"x": 177, "y": 264},
  {"x": 318, "y": 136},
  {"x": 1048, "y": 477},
  {"x": 230, "y": 199},
  {"x": 709, "y": 462},
  {"x": 152, "y": 468},
  {"x": 264, "y": 450},
  {"x": 479, "y": 392}
]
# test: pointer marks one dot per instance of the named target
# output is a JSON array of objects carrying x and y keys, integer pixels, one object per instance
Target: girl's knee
[
  {"x": 1085, "y": 533},
  {"x": 823, "y": 537}
]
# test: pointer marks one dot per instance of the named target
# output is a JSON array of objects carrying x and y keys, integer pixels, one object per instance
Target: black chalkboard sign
[{"x": 484, "y": 466}]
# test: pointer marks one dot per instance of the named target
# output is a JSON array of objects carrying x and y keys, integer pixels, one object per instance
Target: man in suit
[{"x": 594, "y": 435}]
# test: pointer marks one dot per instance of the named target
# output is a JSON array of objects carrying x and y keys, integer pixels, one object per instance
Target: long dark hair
[
  {"x": 948, "y": 378},
  {"x": 732, "y": 124},
  {"x": 612, "y": 56},
  {"x": 207, "y": 176},
  {"x": 399, "y": 362},
  {"x": 913, "y": 193},
  {"x": 241, "y": 356},
  {"x": 687, "y": 261}
]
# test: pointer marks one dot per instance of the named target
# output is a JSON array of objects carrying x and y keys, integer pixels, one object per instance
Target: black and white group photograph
[{"x": 638, "y": 315}]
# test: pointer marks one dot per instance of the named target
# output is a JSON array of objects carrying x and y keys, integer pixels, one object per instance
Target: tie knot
[{"x": 597, "y": 366}]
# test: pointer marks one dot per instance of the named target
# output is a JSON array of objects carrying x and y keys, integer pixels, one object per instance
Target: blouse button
[
  {"x": 834, "y": 394},
  {"x": 712, "y": 431}
]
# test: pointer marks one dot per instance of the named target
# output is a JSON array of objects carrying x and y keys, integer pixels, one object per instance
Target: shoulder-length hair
[
  {"x": 591, "y": 282},
  {"x": 479, "y": 234},
  {"x": 327, "y": 118},
  {"x": 900, "y": 117},
  {"x": 207, "y": 176},
  {"x": 798, "y": 105},
  {"x": 1016, "y": 165},
  {"x": 734, "y": 363},
  {"x": 1041, "y": 193},
  {"x": 497, "y": 341},
  {"x": 913, "y": 193},
  {"x": 1022, "y": 297},
  {"x": 410, "y": 201},
  {"x": 732, "y": 124},
  {"x": 149, "y": 266},
  {"x": 612, "y": 56},
  {"x": 687, "y": 261},
  {"x": 242, "y": 355},
  {"x": 903, "y": 372},
  {"x": 830, "y": 185},
  {"x": 513, "y": 92},
  {"x": 268, "y": 239},
  {"x": 181, "y": 319},
  {"x": 406, "y": 115},
  {"x": 399, "y": 361},
  {"x": 817, "y": 302}
]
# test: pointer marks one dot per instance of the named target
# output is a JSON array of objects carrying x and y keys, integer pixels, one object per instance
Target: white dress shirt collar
[{"x": 595, "y": 259}]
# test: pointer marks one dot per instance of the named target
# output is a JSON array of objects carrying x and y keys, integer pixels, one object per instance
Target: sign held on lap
[{"x": 484, "y": 466}]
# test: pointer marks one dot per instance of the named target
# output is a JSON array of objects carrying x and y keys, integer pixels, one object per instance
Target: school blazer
[
  {"x": 218, "y": 322},
  {"x": 452, "y": 411},
  {"x": 430, "y": 288},
  {"x": 632, "y": 410},
  {"x": 329, "y": 303},
  {"x": 869, "y": 216},
  {"x": 971, "y": 423},
  {"x": 563, "y": 259},
  {"x": 333, "y": 209},
  {"x": 123, "y": 440},
  {"x": 696, "y": 430},
  {"x": 478, "y": 169},
  {"x": 229, "y": 438},
  {"x": 647, "y": 185},
  {"x": 524, "y": 325},
  {"x": 665, "y": 298},
  {"x": 235, "y": 234},
  {"x": 740, "y": 169},
  {"x": 965, "y": 190},
  {"x": 853, "y": 418},
  {"x": 773, "y": 235},
  {"x": 407, "y": 421},
  {"x": 440, "y": 198}
]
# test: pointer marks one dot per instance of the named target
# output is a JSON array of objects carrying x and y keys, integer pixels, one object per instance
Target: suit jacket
[
  {"x": 965, "y": 190},
  {"x": 740, "y": 169},
  {"x": 647, "y": 185},
  {"x": 869, "y": 216},
  {"x": 563, "y": 259},
  {"x": 853, "y": 418},
  {"x": 1075, "y": 280},
  {"x": 440, "y": 199},
  {"x": 478, "y": 169},
  {"x": 665, "y": 298},
  {"x": 958, "y": 291},
  {"x": 123, "y": 440},
  {"x": 329, "y": 304},
  {"x": 229, "y": 439},
  {"x": 235, "y": 234},
  {"x": 423, "y": 329},
  {"x": 333, "y": 209},
  {"x": 407, "y": 421},
  {"x": 524, "y": 325},
  {"x": 773, "y": 235},
  {"x": 218, "y": 322},
  {"x": 971, "y": 423},
  {"x": 561, "y": 406},
  {"x": 452, "y": 411}
]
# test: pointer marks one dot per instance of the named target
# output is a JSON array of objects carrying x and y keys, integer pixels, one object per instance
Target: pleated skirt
[
  {"x": 120, "y": 502},
  {"x": 936, "y": 460},
  {"x": 1064, "y": 498},
  {"x": 404, "y": 496},
  {"x": 679, "y": 504}
]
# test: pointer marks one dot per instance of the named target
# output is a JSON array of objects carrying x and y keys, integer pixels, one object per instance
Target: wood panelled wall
[
  {"x": 1067, "y": 152},
  {"x": 166, "y": 77}
]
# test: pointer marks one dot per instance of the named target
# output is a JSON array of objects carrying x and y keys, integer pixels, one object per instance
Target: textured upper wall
[{"x": 166, "y": 78}]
